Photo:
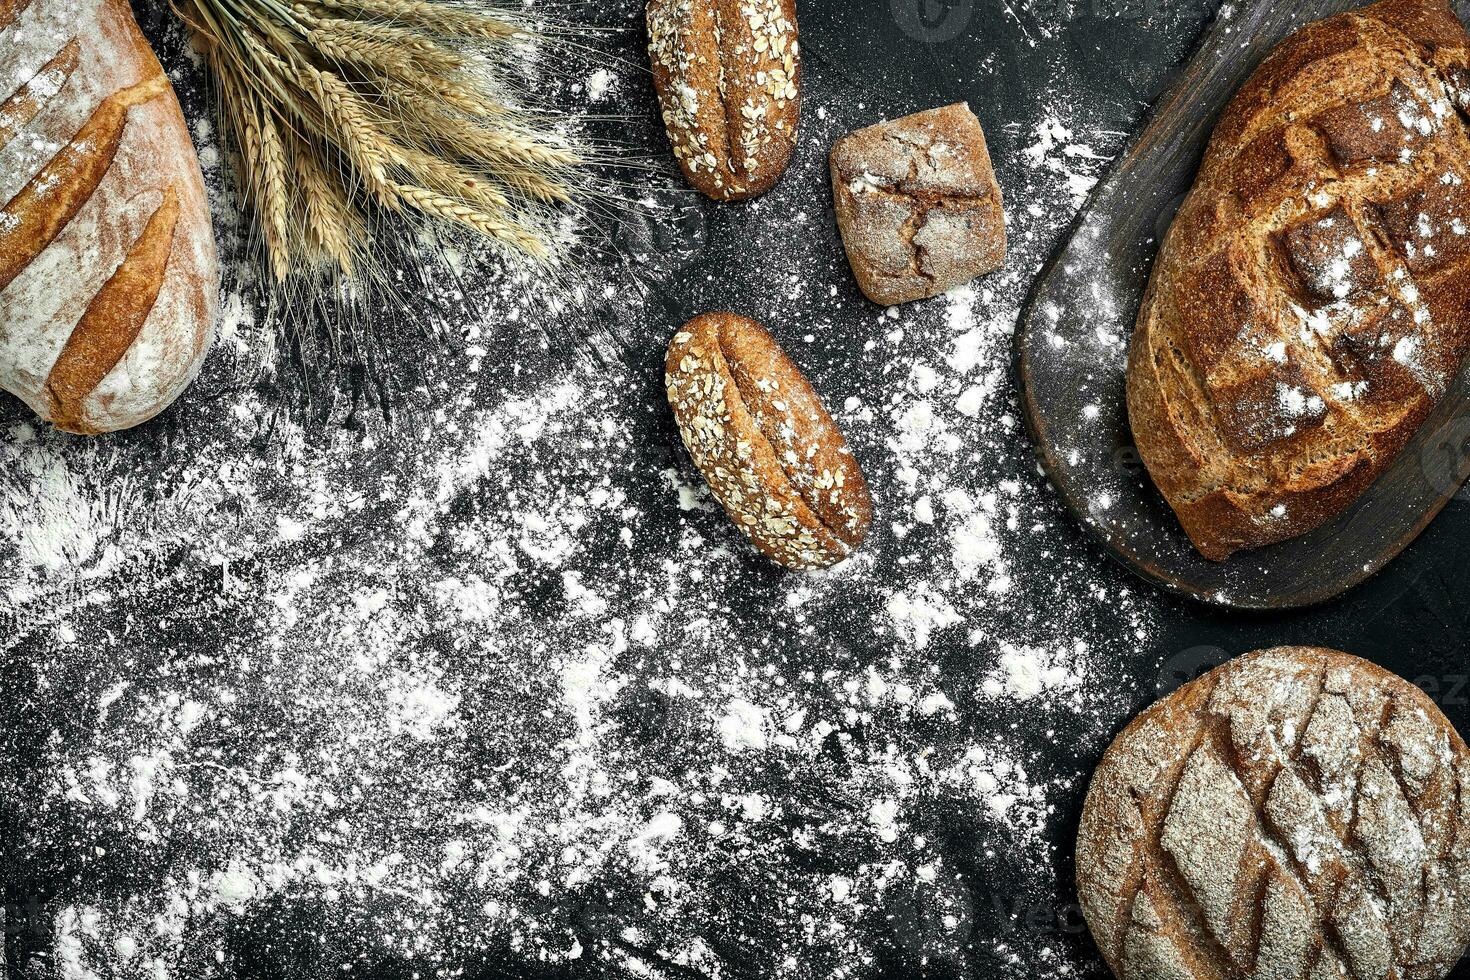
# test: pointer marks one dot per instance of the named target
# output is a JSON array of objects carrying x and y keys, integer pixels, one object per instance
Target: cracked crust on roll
[
  {"x": 918, "y": 205},
  {"x": 1295, "y": 814},
  {"x": 1309, "y": 304},
  {"x": 764, "y": 443}
]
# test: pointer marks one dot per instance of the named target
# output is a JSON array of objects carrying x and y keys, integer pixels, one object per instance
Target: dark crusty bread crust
[
  {"x": 728, "y": 77},
  {"x": 764, "y": 443},
  {"x": 918, "y": 205},
  {"x": 1295, "y": 814},
  {"x": 108, "y": 274},
  {"x": 1308, "y": 307}
]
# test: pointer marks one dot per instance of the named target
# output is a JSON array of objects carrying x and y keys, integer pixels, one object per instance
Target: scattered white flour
[
  {"x": 497, "y": 679},
  {"x": 1077, "y": 164},
  {"x": 1025, "y": 674},
  {"x": 600, "y": 84}
]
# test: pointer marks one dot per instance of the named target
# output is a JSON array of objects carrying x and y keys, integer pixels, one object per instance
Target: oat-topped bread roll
[
  {"x": 728, "y": 77},
  {"x": 765, "y": 444},
  {"x": 918, "y": 205},
  {"x": 1296, "y": 814},
  {"x": 108, "y": 278},
  {"x": 1308, "y": 307}
]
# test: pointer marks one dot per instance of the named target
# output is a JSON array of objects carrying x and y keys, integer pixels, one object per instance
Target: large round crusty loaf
[
  {"x": 728, "y": 77},
  {"x": 1296, "y": 814},
  {"x": 1309, "y": 304},
  {"x": 108, "y": 277},
  {"x": 765, "y": 444}
]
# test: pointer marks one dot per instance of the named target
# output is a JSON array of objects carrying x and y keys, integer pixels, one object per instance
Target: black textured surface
[
  {"x": 1122, "y": 54},
  {"x": 893, "y": 56}
]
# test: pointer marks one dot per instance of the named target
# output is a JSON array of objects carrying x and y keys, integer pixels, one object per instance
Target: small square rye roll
[
  {"x": 918, "y": 205},
  {"x": 764, "y": 443}
]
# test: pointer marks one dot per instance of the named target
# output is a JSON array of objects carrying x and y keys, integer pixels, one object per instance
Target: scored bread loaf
[
  {"x": 108, "y": 277},
  {"x": 764, "y": 443},
  {"x": 728, "y": 78},
  {"x": 1309, "y": 304},
  {"x": 1296, "y": 814}
]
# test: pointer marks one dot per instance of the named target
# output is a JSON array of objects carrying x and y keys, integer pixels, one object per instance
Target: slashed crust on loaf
[
  {"x": 1295, "y": 814},
  {"x": 1309, "y": 305},
  {"x": 918, "y": 205},
  {"x": 728, "y": 77},
  {"x": 108, "y": 274},
  {"x": 764, "y": 443},
  {"x": 10, "y": 9}
]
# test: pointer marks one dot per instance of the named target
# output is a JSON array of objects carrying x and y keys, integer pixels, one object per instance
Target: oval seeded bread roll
[
  {"x": 728, "y": 77},
  {"x": 768, "y": 449},
  {"x": 108, "y": 277},
  {"x": 1296, "y": 814},
  {"x": 1308, "y": 307}
]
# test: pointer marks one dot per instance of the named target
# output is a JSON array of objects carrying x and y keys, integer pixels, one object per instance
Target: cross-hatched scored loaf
[
  {"x": 1309, "y": 304},
  {"x": 1296, "y": 814},
  {"x": 109, "y": 284}
]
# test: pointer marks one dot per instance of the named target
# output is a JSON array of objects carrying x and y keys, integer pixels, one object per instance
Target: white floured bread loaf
[{"x": 109, "y": 284}]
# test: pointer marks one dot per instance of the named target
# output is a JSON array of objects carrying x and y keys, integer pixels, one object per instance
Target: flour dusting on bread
[
  {"x": 1307, "y": 307},
  {"x": 91, "y": 143}
]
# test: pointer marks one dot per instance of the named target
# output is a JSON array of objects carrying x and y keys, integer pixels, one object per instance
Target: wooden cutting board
[{"x": 1072, "y": 350}]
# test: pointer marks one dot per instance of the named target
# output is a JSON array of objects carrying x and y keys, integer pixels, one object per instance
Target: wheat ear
[
  {"x": 276, "y": 203},
  {"x": 438, "y": 205},
  {"x": 342, "y": 109},
  {"x": 439, "y": 18},
  {"x": 362, "y": 141},
  {"x": 326, "y": 211},
  {"x": 450, "y": 179}
]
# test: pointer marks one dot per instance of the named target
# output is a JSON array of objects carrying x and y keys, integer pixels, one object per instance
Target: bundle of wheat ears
[{"x": 344, "y": 111}]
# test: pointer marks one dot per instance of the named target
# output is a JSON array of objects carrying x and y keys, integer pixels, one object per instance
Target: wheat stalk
[
  {"x": 453, "y": 180},
  {"x": 276, "y": 204},
  {"x": 533, "y": 167},
  {"x": 326, "y": 214},
  {"x": 432, "y": 94},
  {"x": 438, "y": 18},
  {"x": 370, "y": 152},
  {"x": 346, "y": 112},
  {"x": 488, "y": 224}
]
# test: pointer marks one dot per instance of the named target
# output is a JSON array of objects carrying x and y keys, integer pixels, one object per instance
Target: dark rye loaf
[
  {"x": 1308, "y": 306},
  {"x": 1296, "y": 814}
]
